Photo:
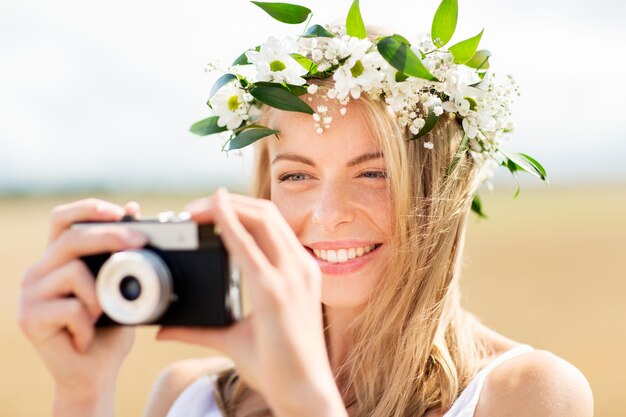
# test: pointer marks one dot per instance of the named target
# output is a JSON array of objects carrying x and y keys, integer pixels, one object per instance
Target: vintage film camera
[{"x": 182, "y": 277}]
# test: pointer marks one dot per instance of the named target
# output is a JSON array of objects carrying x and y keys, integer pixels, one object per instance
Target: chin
[{"x": 348, "y": 291}]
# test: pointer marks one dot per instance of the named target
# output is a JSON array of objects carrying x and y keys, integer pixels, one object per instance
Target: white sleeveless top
[{"x": 197, "y": 399}]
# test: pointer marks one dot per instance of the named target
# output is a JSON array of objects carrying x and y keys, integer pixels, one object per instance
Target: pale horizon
[{"x": 102, "y": 95}]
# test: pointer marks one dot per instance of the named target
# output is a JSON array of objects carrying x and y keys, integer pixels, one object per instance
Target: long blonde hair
[{"x": 415, "y": 347}]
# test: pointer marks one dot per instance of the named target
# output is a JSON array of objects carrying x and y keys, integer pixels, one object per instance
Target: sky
[{"x": 100, "y": 95}]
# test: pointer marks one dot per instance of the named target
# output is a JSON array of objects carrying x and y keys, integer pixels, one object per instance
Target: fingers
[
  {"x": 240, "y": 244},
  {"x": 84, "y": 210},
  {"x": 262, "y": 219},
  {"x": 132, "y": 209},
  {"x": 71, "y": 279},
  {"x": 75, "y": 243},
  {"x": 44, "y": 320}
]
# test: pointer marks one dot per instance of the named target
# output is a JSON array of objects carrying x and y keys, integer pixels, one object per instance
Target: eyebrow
[{"x": 354, "y": 161}]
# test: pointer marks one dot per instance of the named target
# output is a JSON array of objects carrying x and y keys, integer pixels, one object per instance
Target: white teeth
[{"x": 342, "y": 255}]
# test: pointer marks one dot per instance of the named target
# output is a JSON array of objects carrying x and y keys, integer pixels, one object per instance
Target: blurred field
[{"x": 546, "y": 269}]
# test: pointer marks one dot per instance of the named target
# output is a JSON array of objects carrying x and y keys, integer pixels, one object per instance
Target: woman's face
[{"x": 332, "y": 190}]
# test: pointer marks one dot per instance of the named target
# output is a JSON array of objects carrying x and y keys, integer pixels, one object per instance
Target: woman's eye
[
  {"x": 374, "y": 174},
  {"x": 296, "y": 176}
]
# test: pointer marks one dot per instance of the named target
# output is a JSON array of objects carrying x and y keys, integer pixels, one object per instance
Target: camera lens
[
  {"x": 134, "y": 287},
  {"x": 130, "y": 288}
]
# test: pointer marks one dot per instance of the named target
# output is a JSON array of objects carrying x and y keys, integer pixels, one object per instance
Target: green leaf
[
  {"x": 401, "y": 39},
  {"x": 249, "y": 136},
  {"x": 431, "y": 121},
  {"x": 471, "y": 102},
  {"x": 243, "y": 59},
  {"x": 317, "y": 31},
  {"x": 402, "y": 58},
  {"x": 537, "y": 166},
  {"x": 297, "y": 90},
  {"x": 285, "y": 12},
  {"x": 223, "y": 80},
  {"x": 444, "y": 22},
  {"x": 400, "y": 76},
  {"x": 465, "y": 50},
  {"x": 278, "y": 97},
  {"x": 207, "y": 127},
  {"x": 480, "y": 60},
  {"x": 513, "y": 168},
  {"x": 527, "y": 164},
  {"x": 354, "y": 22},
  {"x": 306, "y": 63},
  {"x": 477, "y": 207}
]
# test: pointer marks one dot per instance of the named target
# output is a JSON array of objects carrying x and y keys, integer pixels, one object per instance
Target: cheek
[
  {"x": 291, "y": 206},
  {"x": 379, "y": 207}
]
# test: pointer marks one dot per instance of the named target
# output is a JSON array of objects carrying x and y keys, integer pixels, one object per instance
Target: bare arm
[
  {"x": 536, "y": 384},
  {"x": 175, "y": 378}
]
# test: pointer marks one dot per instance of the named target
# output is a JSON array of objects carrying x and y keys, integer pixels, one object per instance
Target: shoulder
[
  {"x": 173, "y": 380},
  {"x": 536, "y": 383}
]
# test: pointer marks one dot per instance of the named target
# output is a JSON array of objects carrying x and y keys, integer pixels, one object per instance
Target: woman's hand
[
  {"x": 279, "y": 349},
  {"x": 58, "y": 308}
]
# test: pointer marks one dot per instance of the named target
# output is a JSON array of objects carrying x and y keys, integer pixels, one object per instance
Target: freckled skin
[{"x": 332, "y": 201}]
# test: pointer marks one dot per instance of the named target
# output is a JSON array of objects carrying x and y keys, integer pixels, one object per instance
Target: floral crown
[{"x": 419, "y": 82}]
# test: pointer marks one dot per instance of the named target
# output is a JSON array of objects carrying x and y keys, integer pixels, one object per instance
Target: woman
[
  {"x": 330, "y": 192},
  {"x": 351, "y": 248}
]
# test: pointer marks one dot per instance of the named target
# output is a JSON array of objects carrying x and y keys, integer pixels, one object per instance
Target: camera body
[{"x": 182, "y": 277}]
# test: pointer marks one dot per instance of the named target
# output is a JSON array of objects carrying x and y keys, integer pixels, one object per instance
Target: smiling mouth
[{"x": 345, "y": 254}]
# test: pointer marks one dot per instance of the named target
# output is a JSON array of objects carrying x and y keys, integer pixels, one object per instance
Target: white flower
[
  {"x": 230, "y": 104},
  {"x": 273, "y": 62},
  {"x": 428, "y": 145},
  {"x": 469, "y": 126},
  {"x": 438, "y": 110},
  {"x": 317, "y": 55},
  {"x": 343, "y": 111},
  {"x": 361, "y": 71},
  {"x": 312, "y": 89}
]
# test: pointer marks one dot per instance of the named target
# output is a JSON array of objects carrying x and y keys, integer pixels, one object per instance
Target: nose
[{"x": 332, "y": 208}]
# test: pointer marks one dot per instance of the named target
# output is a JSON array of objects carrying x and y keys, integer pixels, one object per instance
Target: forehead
[{"x": 348, "y": 136}]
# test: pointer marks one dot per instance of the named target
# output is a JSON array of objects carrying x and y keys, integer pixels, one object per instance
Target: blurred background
[{"x": 96, "y": 100}]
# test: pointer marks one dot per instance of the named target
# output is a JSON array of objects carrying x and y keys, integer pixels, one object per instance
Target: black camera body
[{"x": 182, "y": 277}]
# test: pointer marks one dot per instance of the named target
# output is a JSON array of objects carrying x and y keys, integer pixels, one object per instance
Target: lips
[
  {"x": 343, "y": 257},
  {"x": 343, "y": 254}
]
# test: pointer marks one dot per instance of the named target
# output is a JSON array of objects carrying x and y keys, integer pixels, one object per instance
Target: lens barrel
[{"x": 134, "y": 287}]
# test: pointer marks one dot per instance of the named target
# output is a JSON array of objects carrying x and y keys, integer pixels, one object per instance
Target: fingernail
[{"x": 131, "y": 206}]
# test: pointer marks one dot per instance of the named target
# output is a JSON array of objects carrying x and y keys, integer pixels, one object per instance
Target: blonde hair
[{"x": 423, "y": 343}]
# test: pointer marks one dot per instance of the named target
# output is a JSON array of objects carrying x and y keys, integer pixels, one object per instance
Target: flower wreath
[{"x": 419, "y": 82}]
